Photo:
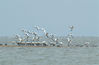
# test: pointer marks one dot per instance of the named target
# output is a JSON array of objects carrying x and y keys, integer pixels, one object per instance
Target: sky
[{"x": 53, "y": 15}]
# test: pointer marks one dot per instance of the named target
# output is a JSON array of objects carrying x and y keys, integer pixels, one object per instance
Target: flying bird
[{"x": 71, "y": 28}]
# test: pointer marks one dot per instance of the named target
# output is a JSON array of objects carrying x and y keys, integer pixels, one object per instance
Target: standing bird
[
  {"x": 86, "y": 44},
  {"x": 69, "y": 41},
  {"x": 60, "y": 44},
  {"x": 70, "y": 36}
]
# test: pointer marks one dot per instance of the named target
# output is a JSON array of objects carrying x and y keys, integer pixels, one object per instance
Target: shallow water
[{"x": 51, "y": 55}]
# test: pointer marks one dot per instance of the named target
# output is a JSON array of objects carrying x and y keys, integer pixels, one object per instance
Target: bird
[
  {"x": 36, "y": 37},
  {"x": 34, "y": 33},
  {"x": 71, "y": 28},
  {"x": 43, "y": 30},
  {"x": 86, "y": 44},
  {"x": 26, "y": 34},
  {"x": 56, "y": 40},
  {"x": 29, "y": 32},
  {"x": 47, "y": 35},
  {"x": 19, "y": 38},
  {"x": 23, "y": 30},
  {"x": 60, "y": 44},
  {"x": 51, "y": 36},
  {"x": 44, "y": 43},
  {"x": 37, "y": 27},
  {"x": 69, "y": 41}
]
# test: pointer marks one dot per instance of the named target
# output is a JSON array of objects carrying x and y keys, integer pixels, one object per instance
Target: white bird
[
  {"x": 51, "y": 36},
  {"x": 71, "y": 28},
  {"x": 26, "y": 33},
  {"x": 43, "y": 41},
  {"x": 56, "y": 41},
  {"x": 37, "y": 27},
  {"x": 29, "y": 32},
  {"x": 36, "y": 37},
  {"x": 19, "y": 38},
  {"x": 43, "y": 30},
  {"x": 69, "y": 41},
  {"x": 61, "y": 43},
  {"x": 33, "y": 38},
  {"x": 34, "y": 33},
  {"x": 26, "y": 36},
  {"x": 23, "y": 30},
  {"x": 86, "y": 44}
]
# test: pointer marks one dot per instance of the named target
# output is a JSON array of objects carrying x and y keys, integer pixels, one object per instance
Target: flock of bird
[{"x": 35, "y": 37}]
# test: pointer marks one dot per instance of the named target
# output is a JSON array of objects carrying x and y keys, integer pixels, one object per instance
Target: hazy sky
[{"x": 54, "y": 15}]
